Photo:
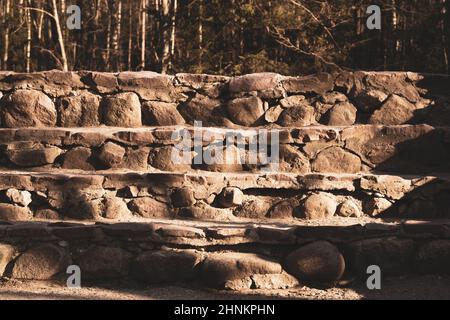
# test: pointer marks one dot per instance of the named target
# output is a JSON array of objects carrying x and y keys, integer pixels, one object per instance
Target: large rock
[
  {"x": 41, "y": 263},
  {"x": 319, "y": 84},
  {"x": 336, "y": 160},
  {"x": 81, "y": 110},
  {"x": 9, "y": 212},
  {"x": 297, "y": 116},
  {"x": 245, "y": 111},
  {"x": 115, "y": 208},
  {"x": 6, "y": 255},
  {"x": 376, "y": 206},
  {"x": 149, "y": 85},
  {"x": 292, "y": 160},
  {"x": 164, "y": 159},
  {"x": 204, "y": 109},
  {"x": 254, "y": 82},
  {"x": 122, "y": 110},
  {"x": 220, "y": 158},
  {"x": 149, "y": 208},
  {"x": 284, "y": 209},
  {"x": 231, "y": 197},
  {"x": 433, "y": 257},
  {"x": 19, "y": 197},
  {"x": 32, "y": 154},
  {"x": 102, "y": 262},
  {"x": 392, "y": 255},
  {"x": 293, "y": 101},
  {"x": 319, "y": 261},
  {"x": 166, "y": 266},
  {"x": 254, "y": 207},
  {"x": 111, "y": 155},
  {"x": 157, "y": 113},
  {"x": 78, "y": 158},
  {"x": 318, "y": 206},
  {"x": 27, "y": 108},
  {"x": 370, "y": 100},
  {"x": 219, "y": 268},
  {"x": 349, "y": 208},
  {"x": 396, "y": 110},
  {"x": 342, "y": 114},
  {"x": 182, "y": 197}
]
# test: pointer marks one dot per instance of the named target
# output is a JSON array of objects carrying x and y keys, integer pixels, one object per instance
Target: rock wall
[
  {"x": 87, "y": 176},
  {"x": 257, "y": 258},
  {"x": 220, "y": 197},
  {"x": 135, "y": 99},
  {"x": 410, "y": 149}
]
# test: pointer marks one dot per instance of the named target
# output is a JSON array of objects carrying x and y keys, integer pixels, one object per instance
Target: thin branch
[
  {"x": 298, "y": 4},
  {"x": 286, "y": 42}
]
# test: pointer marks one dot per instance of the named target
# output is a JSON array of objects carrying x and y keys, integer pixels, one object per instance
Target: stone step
[
  {"x": 363, "y": 148},
  {"x": 135, "y": 99},
  {"x": 220, "y": 255},
  {"x": 239, "y": 197}
]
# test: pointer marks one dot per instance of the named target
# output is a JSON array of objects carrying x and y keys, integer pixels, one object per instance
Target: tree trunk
[
  {"x": 6, "y": 35},
  {"x": 143, "y": 33},
  {"x": 173, "y": 34},
  {"x": 60, "y": 37},
  {"x": 166, "y": 37},
  {"x": 130, "y": 33},
  {"x": 200, "y": 34},
  {"x": 28, "y": 48}
]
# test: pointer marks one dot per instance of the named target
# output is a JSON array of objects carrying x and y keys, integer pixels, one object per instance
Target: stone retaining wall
[
  {"x": 219, "y": 197},
  {"x": 367, "y": 148},
  {"x": 268, "y": 258},
  {"x": 134, "y": 99}
]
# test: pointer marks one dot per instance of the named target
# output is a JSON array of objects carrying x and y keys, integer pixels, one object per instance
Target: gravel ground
[{"x": 411, "y": 287}]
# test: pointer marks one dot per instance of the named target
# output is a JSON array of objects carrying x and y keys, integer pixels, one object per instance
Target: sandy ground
[{"x": 411, "y": 287}]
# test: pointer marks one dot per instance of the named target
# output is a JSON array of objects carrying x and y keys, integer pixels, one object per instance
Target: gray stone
[
  {"x": 78, "y": 158},
  {"x": 218, "y": 268},
  {"x": 297, "y": 116},
  {"x": 81, "y": 110},
  {"x": 318, "y": 206},
  {"x": 336, "y": 160},
  {"x": 27, "y": 108},
  {"x": 342, "y": 114},
  {"x": 102, "y": 262},
  {"x": 41, "y": 263},
  {"x": 396, "y": 110},
  {"x": 149, "y": 208},
  {"x": 349, "y": 209},
  {"x": 433, "y": 257},
  {"x": 122, "y": 110},
  {"x": 245, "y": 111},
  {"x": 7, "y": 253},
  {"x": 319, "y": 261},
  {"x": 32, "y": 155},
  {"x": 231, "y": 197},
  {"x": 19, "y": 197},
  {"x": 182, "y": 197},
  {"x": 111, "y": 154},
  {"x": 166, "y": 266},
  {"x": 392, "y": 255},
  {"x": 9, "y": 212},
  {"x": 156, "y": 113}
]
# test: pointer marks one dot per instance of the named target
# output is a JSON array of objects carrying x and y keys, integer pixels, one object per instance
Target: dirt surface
[{"x": 411, "y": 287}]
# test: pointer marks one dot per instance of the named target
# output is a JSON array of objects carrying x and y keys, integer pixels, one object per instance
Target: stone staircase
[{"x": 355, "y": 173}]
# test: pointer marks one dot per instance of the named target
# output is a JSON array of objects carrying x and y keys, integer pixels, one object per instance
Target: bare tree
[
  {"x": 173, "y": 33},
  {"x": 60, "y": 36},
  {"x": 143, "y": 33},
  {"x": 28, "y": 47},
  {"x": 6, "y": 35},
  {"x": 165, "y": 59}
]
